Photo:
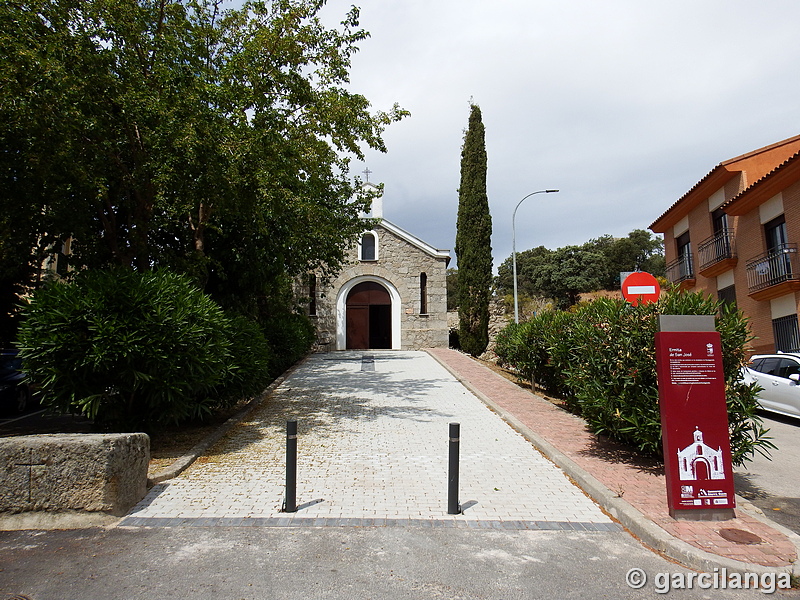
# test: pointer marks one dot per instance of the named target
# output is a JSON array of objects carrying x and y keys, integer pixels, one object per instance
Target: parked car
[
  {"x": 15, "y": 394},
  {"x": 779, "y": 377}
]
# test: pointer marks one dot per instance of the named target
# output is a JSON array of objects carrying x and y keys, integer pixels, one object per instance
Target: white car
[{"x": 779, "y": 377}]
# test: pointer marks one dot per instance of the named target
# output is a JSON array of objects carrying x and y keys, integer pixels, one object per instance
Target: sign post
[{"x": 694, "y": 419}]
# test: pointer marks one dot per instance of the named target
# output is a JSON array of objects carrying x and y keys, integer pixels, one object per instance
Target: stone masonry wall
[{"x": 498, "y": 320}]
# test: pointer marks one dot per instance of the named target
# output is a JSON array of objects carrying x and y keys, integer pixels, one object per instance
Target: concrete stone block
[{"x": 73, "y": 472}]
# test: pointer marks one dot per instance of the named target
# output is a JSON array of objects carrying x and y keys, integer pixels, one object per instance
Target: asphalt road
[
  {"x": 774, "y": 485},
  {"x": 333, "y": 563}
]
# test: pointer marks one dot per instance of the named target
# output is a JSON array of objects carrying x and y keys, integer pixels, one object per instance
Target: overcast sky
[{"x": 623, "y": 105}]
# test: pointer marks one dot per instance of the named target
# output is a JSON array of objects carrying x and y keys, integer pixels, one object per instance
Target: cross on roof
[{"x": 367, "y": 172}]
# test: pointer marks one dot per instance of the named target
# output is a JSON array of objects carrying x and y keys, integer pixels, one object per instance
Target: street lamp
[{"x": 514, "y": 248}]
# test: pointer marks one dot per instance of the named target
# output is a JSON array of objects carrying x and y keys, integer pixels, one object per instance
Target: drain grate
[
  {"x": 740, "y": 536},
  {"x": 368, "y": 362}
]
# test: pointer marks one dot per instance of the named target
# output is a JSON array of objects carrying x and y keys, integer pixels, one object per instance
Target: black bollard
[
  {"x": 290, "y": 502},
  {"x": 453, "y": 507}
]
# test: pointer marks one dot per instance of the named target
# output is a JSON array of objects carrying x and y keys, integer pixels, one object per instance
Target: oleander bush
[
  {"x": 601, "y": 361},
  {"x": 135, "y": 350},
  {"x": 532, "y": 349},
  {"x": 290, "y": 335},
  {"x": 250, "y": 369}
]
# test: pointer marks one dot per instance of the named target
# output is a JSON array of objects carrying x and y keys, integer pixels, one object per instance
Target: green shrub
[
  {"x": 602, "y": 360},
  {"x": 290, "y": 335},
  {"x": 507, "y": 344},
  {"x": 249, "y": 371},
  {"x": 535, "y": 349},
  {"x": 611, "y": 374},
  {"x": 128, "y": 349}
]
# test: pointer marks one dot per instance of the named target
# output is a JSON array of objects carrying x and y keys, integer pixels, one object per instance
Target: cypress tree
[{"x": 474, "y": 240}]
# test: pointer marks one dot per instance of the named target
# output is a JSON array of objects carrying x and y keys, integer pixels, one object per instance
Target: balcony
[
  {"x": 774, "y": 273},
  {"x": 681, "y": 271},
  {"x": 717, "y": 254}
]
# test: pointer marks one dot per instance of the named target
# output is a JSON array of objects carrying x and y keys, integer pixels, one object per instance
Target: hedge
[
  {"x": 135, "y": 350},
  {"x": 601, "y": 360}
]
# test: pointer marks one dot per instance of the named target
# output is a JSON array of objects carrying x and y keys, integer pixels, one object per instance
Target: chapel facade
[{"x": 392, "y": 293}]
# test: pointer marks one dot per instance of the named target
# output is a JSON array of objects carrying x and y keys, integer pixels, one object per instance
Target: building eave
[
  {"x": 777, "y": 180},
  {"x": 700, "y": 192}
]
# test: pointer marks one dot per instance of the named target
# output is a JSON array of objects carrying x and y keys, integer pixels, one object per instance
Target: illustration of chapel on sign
[
  {"x": 700, "y": 461},
  {"x": 392, "y": 294}
]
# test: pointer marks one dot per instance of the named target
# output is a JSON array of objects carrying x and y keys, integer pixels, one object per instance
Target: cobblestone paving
[{"x": 372, "y": 449}]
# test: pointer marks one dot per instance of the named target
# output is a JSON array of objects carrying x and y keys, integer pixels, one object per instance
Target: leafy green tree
[
  {"x": 178, "y": 133},
  {"x": 564, "y": 273},
  {"x": 568, "y": 272},
  {"x": 640, "y": 250},
  {"x": 525, "y": 262},
  {"x": 473, "y": 240}
]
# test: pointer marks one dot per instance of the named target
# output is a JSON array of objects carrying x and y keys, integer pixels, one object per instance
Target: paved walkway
[
  {"x": 373, "y": 439},
  {"x": 639, "y": 486}
]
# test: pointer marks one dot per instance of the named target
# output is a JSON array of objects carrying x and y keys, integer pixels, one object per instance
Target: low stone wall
[{"x": 95, "y": 473}]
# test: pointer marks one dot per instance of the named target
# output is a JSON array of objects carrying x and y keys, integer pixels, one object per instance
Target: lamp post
[{"x": 514, "y": 248}]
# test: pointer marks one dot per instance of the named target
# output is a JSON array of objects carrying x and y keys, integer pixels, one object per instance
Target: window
[
  {"x": 423, "y": 294},
  {"x": 769, "y": 366},
  {"x": 684, "y": 256},
  {"x": 777, "y": 367},
  {"x": 788, "y": 367},
  {"x": 719, "y": 221},
  {"x": 775, "y": 234},
  {"x": 368, "y": 246},
  {"x": 727, "y": 295},
  {"x": 787, "y": 336},
  {"x": 312, "y": 293}
]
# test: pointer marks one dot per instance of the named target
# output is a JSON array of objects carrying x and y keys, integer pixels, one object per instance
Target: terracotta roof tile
[{"x": 792, "y": 159}]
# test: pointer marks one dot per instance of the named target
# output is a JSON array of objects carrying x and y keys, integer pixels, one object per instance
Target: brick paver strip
[{"x": 643, "y": 486}]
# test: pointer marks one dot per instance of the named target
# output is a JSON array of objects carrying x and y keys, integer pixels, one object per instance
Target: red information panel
[{"x": 694, "y": 420}]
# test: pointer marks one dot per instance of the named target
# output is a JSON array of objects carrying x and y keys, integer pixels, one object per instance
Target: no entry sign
[{"x": 640, "y": 288}]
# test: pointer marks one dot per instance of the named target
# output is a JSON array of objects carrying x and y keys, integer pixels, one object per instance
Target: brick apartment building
[{"x": 734, "y": 236}]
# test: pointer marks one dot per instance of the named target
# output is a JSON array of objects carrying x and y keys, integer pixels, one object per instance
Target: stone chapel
[{"x": 391, "y": 295}]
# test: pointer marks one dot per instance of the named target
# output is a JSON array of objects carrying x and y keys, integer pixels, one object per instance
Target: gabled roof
[
  {"x": 415, "y": 241},
  {"x": 755, "y": 165}
]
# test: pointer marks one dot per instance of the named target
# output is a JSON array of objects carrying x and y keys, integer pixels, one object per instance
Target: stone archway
[
  {"x": 369, "y": 317},
  {"x": 353, "y": 314}
]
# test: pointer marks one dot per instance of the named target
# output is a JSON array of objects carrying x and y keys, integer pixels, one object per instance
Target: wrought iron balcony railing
[
  {"x": 719, "y": 247},
  {"x": 773, "y": 267},
  {"x": 681, "y": 269}
]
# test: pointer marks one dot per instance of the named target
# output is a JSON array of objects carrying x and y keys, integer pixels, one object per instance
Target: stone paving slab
[{"x": 372, "y": 448}]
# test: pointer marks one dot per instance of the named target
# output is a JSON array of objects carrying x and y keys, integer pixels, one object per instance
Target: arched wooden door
[{"x": 369, "y": 317}]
